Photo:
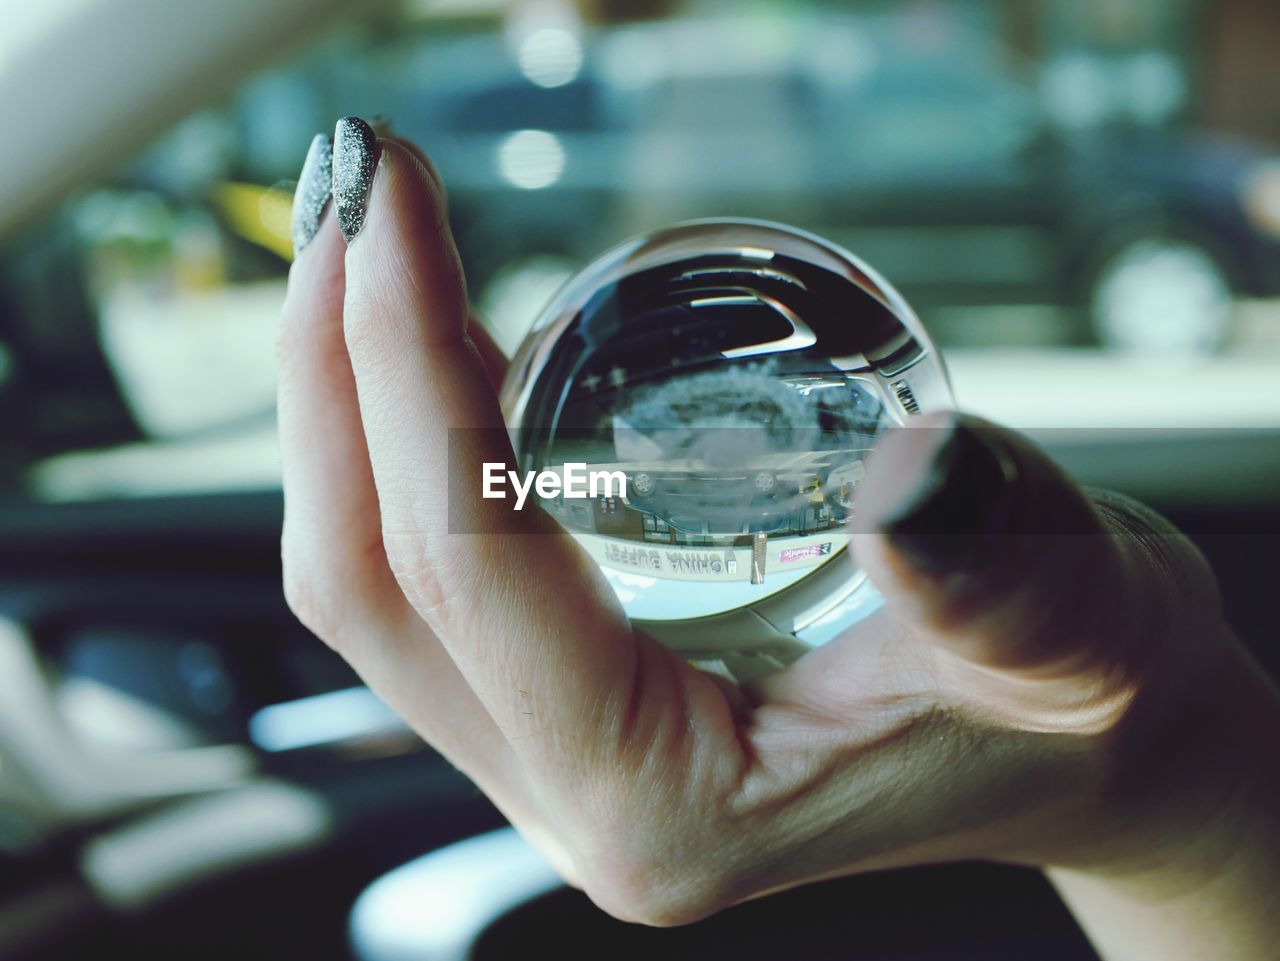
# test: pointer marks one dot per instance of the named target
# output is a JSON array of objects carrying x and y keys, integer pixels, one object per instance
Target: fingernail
[
  {"x": 315, "y": 184},
  {"x": 965, "y": 498},
  {"x": 355, "y": 149}
]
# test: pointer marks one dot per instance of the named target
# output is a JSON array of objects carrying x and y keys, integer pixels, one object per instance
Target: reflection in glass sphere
[{"x": 730, "y": 376}]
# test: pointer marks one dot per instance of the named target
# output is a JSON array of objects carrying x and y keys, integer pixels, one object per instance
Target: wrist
[
  {"x": 1193, "y": 816},
  {"x": 1195, "y": 770}
]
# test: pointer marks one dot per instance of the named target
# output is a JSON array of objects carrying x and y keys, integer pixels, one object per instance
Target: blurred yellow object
[
  {"x": 197, "y": 252},
  {"x": 260, "y": 215}
]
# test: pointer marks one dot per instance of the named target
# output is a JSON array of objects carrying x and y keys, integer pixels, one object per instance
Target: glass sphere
[{"x": 719, "y": 383}]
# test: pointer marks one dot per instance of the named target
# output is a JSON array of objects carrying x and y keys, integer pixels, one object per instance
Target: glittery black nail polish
[
  {"x": 355, "y": 149},
  {"x": 966, "y": 497},
  {"x": 315, "y": 184}
]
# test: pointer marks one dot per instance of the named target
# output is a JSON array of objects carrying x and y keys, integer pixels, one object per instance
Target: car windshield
[{"x": 1080, "y": 199}]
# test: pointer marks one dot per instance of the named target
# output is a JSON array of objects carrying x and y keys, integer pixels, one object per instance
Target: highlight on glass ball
[{"x": 721, "y": 384}]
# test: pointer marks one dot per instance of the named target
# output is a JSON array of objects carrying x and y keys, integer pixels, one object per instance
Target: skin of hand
[{"x": 1069, "y": 698}]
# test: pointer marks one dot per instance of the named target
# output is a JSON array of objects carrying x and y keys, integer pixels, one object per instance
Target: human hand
[{"x": 1049, "y": 683}]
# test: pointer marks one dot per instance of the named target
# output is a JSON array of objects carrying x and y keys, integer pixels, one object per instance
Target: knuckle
[
  {"x": 310, "y": 594},
  {"x": 414, "y": 570},
  {"x": 308, "y": 604}
]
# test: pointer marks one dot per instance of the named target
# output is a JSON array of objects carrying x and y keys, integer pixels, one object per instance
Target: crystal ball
[{"x": 714, "y": 388}]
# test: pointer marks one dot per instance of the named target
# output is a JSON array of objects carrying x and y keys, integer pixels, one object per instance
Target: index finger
[{"x": 524, "y": 613}]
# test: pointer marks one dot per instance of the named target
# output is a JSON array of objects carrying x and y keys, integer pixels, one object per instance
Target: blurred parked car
[{"x": 931, "y": 158}]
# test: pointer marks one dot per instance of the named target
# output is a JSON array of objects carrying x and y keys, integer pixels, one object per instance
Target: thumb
[{"x": 980, "y": 542}]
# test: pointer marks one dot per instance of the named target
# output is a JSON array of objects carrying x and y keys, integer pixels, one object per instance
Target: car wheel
[
  {"x": 643, "y": 485},
  {"x": 1164, "y": 296}
]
